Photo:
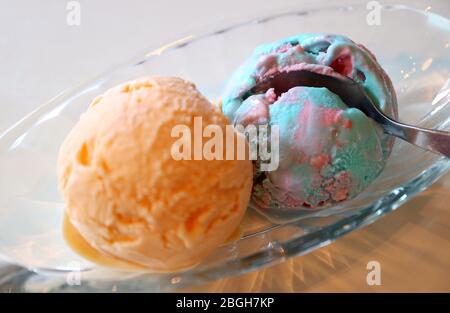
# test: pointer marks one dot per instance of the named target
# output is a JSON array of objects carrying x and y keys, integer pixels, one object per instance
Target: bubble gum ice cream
[
  {"x": 328, "y": 151},
  {"x": 125, "y": 193}
]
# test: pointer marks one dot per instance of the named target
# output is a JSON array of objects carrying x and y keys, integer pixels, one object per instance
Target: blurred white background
[{"x": 41, "y": 56}]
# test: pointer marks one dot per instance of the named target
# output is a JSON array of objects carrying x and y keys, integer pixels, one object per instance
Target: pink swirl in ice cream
[{"x": 328, "y": 151}]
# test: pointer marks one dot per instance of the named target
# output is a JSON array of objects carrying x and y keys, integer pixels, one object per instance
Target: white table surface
[{"x": 40, "y": 56}]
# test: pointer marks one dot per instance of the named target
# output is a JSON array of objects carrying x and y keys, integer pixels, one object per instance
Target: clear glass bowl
[{"x": 31, "y": 210}]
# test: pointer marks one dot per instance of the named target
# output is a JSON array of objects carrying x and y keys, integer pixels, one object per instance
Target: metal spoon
[{"x": 354, "y": 95}]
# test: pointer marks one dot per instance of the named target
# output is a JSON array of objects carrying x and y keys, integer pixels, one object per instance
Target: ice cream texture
[
  {"x": 129, "y": 198},
  {"x": 328, "y": 152}
]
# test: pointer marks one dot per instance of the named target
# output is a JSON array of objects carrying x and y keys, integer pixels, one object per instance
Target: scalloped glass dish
[{"x": 31, "y": 210}]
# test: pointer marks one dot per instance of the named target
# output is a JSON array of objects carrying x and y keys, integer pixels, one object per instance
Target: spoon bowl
[{"x": 354, "y": 95}]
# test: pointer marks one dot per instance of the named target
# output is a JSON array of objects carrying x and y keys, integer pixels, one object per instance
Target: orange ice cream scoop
[{"x": 126, "y": 194}]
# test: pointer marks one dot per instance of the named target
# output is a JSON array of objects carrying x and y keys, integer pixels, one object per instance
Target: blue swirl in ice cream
[{"x": 328, "y": 151}]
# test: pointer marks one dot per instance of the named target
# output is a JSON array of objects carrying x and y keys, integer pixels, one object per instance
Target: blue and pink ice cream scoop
[{"x": 328, "y": 152}]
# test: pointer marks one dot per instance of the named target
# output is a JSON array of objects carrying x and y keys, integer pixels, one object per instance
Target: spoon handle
[{"x": 433, "y": 140}]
